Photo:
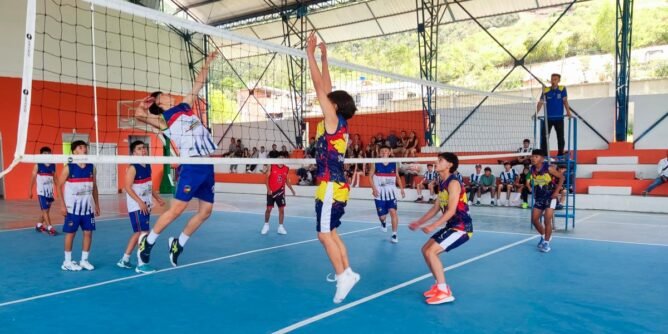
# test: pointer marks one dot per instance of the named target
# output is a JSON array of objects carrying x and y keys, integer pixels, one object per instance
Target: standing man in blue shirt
[{"x": 556, "y": 99}]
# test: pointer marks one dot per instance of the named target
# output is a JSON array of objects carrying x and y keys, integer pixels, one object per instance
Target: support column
[{"x": 624, "y": 10}]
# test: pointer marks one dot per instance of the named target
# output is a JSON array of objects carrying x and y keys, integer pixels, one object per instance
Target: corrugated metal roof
[{"x": 345, "y": 20}]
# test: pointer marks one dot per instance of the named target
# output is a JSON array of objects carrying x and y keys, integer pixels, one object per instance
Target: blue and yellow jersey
[
  {"x": 461, "y": 220},
  {"x": 331, "y": 151},
  {"x": 542, "y": 180},
  {"x": 554, "y": 101}
]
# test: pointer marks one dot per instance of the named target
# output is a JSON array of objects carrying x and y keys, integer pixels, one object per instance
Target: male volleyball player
[
  {"x": 139, "y": 195},
  {"x": 383, "y": 178},
  {"x": 43, "y": 175},
  {"x": 452, "y": 202},
  {"x": 79, "y": 204},
  {"x": 545, "y": 192},
  {"x": 332, "y": 193},
  {"x": 193, "y": 140},
  {"x": 277, "y": 179}
]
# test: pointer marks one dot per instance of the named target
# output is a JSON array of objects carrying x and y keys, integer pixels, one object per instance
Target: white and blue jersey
[
  {"x": 142, "y": 186},
  {"x": 78, "y": 195},
  {"x": 45, "y": 180},
  {"x": 430, "y": 176},
  {"x": 385, "y": 180},
  {"x": 187, "y": 132},
  {"x": 475, "y": 179},
  {"x": 509, "y": 177},
  {"x": 192, "y": 139}
]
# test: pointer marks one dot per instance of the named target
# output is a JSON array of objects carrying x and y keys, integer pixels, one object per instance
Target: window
[{"x": 384, "y": 98}]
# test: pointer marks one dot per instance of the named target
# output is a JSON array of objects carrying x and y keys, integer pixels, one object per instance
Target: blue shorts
[
  {"x": 139, "y": 221},
  {"x": 383, "y": 207},
  {"x": 450, "y": 238},
  {"x": 195, "y": 181},
  {"x": 544, "y": 202},
  {"x": 72, "y": 223},
  {"x": 45, "y": 202},
  {"x": 328, "y": 216}
]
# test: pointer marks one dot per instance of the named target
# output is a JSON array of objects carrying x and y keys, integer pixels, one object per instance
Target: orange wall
[
  {"x": 368, "y": 125},
  {"x": 61, "y": 108}
]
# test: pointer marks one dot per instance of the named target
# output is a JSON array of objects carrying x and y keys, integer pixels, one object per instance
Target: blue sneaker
[
  {"x": 546, "y": 247},
  {"x": 144, "y": 269},
  {"x": 124, "y": 264},
  {"x": 540, "y": 242}
]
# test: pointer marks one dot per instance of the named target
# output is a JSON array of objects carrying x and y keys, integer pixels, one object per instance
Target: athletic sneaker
[
  {"x": 540, "y": 242},
  {"x": 124, "y": 264},
  {"x": 86, "y": 265},
  {"x": 492, "y": 203},
  {"x": 344, "y": 284},
  {"x": 40, "y": 229},
  {"x": 441, "y": 297},
  {"x": 175, "y": 250},
  {"x": 477, "y": 202},
  {"x": 431, "y": 201},
  {"x": 559, "y": 207},
  {"x": 52, "y": 232},
  {"x": 144, "y": 269},
  {"x": 70, "y": 266},
  {"x": 419, "y": 199},
  {"x": 383, "y": 226},
  {"x": 525, "y": 205},
  {"x": 431, "y": 292},
  {"x": 144, "y": 248},
  {"x": 545, "y": 248},
  {"x": 281, "y": 230},
  {"x": 265, "y": 229},
  {"x": 394, "y": 239}
]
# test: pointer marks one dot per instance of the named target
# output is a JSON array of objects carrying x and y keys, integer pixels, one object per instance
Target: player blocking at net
[
  {"x": 192, "y": 139},
  {"x": 332, "y": 193},
  {"x": 453, "y": 203}
]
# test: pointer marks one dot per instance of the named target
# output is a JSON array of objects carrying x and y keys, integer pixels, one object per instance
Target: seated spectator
[
  {"x": 273, "y": 149},
  {"x": 567, "y": 186},
  {"x": 508, "y": 178},
  {"x": 232, "y": 148},
  {"x": 523, "y": 188},
  {"x": 524, "y": 159},
  {"x": 262, "y": 155},
  {"x": 662, "y": 169},
  {"x": 307, "y": 175},
  {"x": 400, "y": 148},
  {"x": 284, "y": 151},
  {"x": 411, "y": 145},
  {"x": 253, "y": 154},
  {"x": 359, "y": 169},
  {"x": 409, "y": 171},
  {"x": 310, "y": 150},
  {"x": 429, "y": 180},
  {"x": 487, "y": 184},
  {"x": 474, "y": 183}
]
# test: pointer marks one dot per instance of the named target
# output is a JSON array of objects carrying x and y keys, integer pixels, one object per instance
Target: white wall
[
  {"x": 12, "y": 25},
  {"x": 647, "y": 110}
]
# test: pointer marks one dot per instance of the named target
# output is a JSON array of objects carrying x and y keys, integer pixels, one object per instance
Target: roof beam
[
  {"x": 268, "y": 11},
  {"x": 195, "y": 5}
]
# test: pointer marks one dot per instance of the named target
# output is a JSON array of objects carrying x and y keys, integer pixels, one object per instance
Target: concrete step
[
  {"x": 622, "y": 203},
  {"x": 637, "y": 186},
  {"x": 617, "y": 160},
  {"x": 609, "y": 190},
  {"x": 621, "y": 175}
]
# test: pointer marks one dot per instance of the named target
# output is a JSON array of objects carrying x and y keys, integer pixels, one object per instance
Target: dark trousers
[
  {"x": 558, "y": 125},
  {"x": 525, "y": 194}
]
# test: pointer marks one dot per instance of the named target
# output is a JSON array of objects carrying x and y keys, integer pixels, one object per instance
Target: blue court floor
[{"x": 606, "y": 276}]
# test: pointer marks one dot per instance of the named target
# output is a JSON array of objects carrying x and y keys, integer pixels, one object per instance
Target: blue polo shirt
[{"x": 555, "y": 102}]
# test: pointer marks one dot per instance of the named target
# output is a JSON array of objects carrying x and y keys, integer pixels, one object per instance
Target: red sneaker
[{"x": 441, "y": 297}]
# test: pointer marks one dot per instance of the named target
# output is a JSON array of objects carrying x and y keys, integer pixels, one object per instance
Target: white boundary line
[
  {"x": 334, "y": 311},
  {"x": 61, "y": 292},
  {"x": 103, "y": 219}
]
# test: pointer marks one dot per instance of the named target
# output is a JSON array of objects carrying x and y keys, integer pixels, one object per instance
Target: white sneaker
[
  {"x": 281, "y": 230},
  {"x": 265, "y": 229},
  {"x": 70, "y": 266},
  {"x": 344, "y": 284},
  {"x": 86, "y": 265},
  {"x": 394, "y": 239}
]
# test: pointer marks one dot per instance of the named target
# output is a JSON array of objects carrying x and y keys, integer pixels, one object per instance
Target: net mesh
[{"x": 93, "y": 61}]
